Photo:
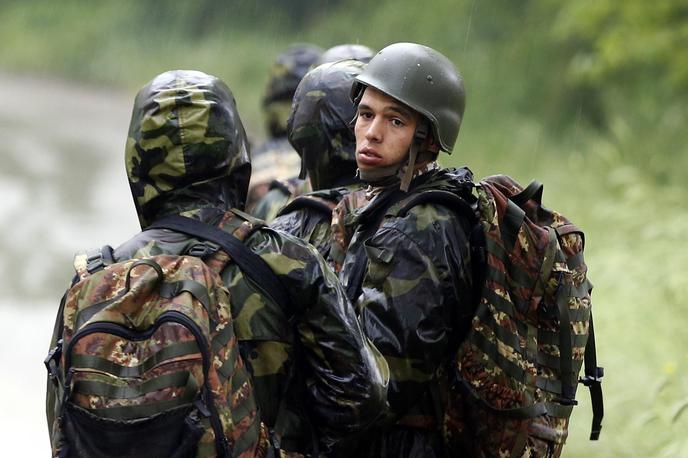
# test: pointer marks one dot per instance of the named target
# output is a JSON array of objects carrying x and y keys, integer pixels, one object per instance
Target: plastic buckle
[
  {"x": 94, "y": 260},
  {"x": 595, "y": 378},
  {"x": 50, "y": 365},
  {"x": 203, "y": 249}
]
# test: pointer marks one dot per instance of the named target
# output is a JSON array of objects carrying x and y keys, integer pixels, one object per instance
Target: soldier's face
[{"x": 384, "y": 130}]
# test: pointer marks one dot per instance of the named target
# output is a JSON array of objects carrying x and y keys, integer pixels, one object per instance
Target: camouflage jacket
[
  {"x": 337, "y": 384},
  {"x": 313, "y": 223},
  {"x": 277, "y": 195},
  {"x": 410, "y": 278},
  {"x": 275, "y": 168}
]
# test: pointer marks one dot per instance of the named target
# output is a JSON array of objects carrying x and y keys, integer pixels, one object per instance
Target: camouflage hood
[
  {"x": 319, "y": 126},
  {"x": 285, "y": 73},
  {"x": 186, "y": 146}
]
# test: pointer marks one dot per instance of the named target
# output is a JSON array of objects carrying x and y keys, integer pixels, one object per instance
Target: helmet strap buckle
[{"x": 419, "y": 137}]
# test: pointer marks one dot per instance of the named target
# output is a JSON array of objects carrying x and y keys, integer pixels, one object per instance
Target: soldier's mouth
[{"x": 367, "y": 156}]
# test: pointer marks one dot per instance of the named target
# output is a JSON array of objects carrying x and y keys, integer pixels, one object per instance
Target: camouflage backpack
[
  {"x": 517, "y": 370},
  {"x": 147, "y": 364}
]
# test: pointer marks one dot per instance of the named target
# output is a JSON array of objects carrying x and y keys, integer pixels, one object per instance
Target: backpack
[
  {"x": 517, "y": 369},
  {"x": 147, "y": 363}
]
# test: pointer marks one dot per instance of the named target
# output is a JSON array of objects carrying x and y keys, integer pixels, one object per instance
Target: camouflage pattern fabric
[
  {"x": 415, "y": 304},
  {"x": 343, "y": 226},
  {"x": 311, "y": 222},
  {"x": 278, "y": 194},
  {"x": 287, "y": 70},
  {"x": 319, "y": 125},
  {"x": 137, "y": 353},
  {"x": 285, "y": 74},
  {"x": 185, "y": 134},
  {"x": 320, "y": 131},
  {"x": 353, "y": 51},
  {"x": 341, "y": 389},
  {"x": 532, "y": 324},
  {"x": 274, "y": 159},
  {"x": 310, "y": 363}
]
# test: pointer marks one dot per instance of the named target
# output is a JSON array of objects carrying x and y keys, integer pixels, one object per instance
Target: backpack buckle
[
  {"x": 94, "y": 260},
  {"x": 203, "y": 249},
  {"x": 594, "y": 378},
  {"x": 51, "y": 362}
]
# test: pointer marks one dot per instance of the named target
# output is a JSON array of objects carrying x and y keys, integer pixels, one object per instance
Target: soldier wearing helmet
[
  {"x": 320, "y": 131},
  {"x": 408, "y": 267},
  {"x": 357, "y": 52},
  {"x": 275, "y": 164},
  {"x": 283, "y": 191},
  {"x": 187, "y": 154}
]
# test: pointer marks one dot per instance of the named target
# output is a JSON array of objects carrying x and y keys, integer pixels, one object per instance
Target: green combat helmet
[
  {"x": 424, "y": 80},
  {"x": 285, "y": 74},
  {"x": 186, "y": 141},
  {"x": 346, "y": 51},
  {"x": 319, "y": 126}
]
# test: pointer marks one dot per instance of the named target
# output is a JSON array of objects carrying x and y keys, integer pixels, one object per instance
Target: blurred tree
[{"x": 618, "y": 41}]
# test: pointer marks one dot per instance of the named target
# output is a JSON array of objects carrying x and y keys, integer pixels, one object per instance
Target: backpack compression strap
[
  {"x": 593, "y": 379},
  {"x": 249, "y": 262}
]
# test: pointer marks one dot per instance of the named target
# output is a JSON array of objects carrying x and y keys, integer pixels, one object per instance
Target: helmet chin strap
[
  {"x": 418, "y": 138},
  {"x": 379, "y": 174}
]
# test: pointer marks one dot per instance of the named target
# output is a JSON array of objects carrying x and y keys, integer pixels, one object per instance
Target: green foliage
[{"x": 631, "y": 39}]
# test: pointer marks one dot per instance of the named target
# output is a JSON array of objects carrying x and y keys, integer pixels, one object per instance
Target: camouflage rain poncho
[
  {"x": 415, "y": 300},
  {"x": 186, "y": 154},
  {"x": 320, "y": 130}
]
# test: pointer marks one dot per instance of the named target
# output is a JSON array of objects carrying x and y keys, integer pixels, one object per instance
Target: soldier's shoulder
[
  {"x": 437, "y": 204},
  {"x": 270, "y": 238}
]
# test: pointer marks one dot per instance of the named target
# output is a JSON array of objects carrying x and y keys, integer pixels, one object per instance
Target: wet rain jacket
[
  {"x": 410, "y": 278},
  {"x": 187, "y": 154},
  {"x": 319, "y": 129}
]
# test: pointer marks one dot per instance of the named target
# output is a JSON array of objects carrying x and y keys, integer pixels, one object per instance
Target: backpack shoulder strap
[
  {"x": 317, "y": 203},
  {"x": 445, "y": 198},
  {"x": 249, "y": 262}
]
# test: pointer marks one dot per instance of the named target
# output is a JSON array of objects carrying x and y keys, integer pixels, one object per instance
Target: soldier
[
  {"x": 320, "y": 131},
  {"x": 357, "y": 52},
  {"x": 281, "y": 192},
  {"x": 187, "y": 154},
  {"x": 408, "y": 266},
  {"x": 275, "y": 164}
]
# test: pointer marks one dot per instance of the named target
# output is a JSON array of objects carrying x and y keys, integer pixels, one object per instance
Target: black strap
[
  {"x": 532, "y": 191},
  {"x": 249, "y": 262},
  {"x": 306, "y": 202},
  {"x": 593, "y": 380},
  {"x": 277, "y": 184}
]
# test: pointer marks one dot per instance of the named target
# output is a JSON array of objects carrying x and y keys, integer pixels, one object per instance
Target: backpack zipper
[{"x": 171, "y": 316}]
